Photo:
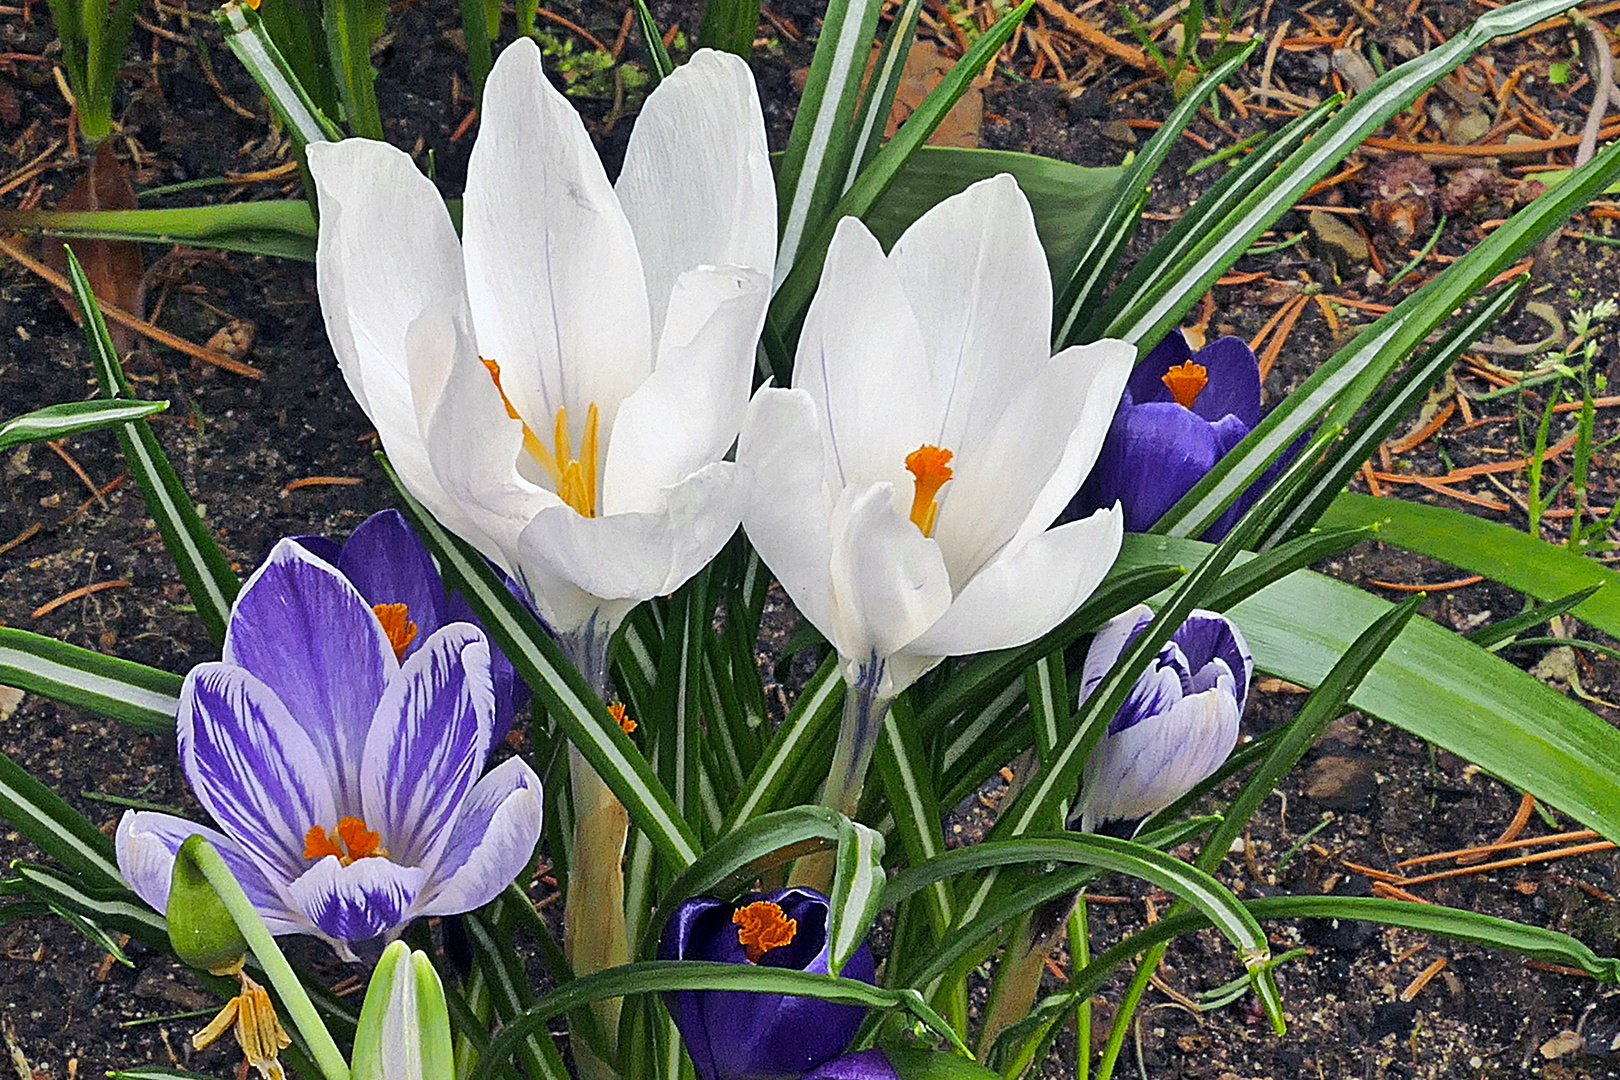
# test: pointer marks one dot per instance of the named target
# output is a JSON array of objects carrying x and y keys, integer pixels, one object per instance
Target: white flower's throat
[{"x": 575, "y": 477}]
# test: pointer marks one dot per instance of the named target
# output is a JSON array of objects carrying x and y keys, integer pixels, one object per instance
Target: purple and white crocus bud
[
  {"x": 389, "y": 564},
  {"x": 1181, "y": 413},
  {"x": 346, "y": 784},
  {"x": 1179, "y": 722},
  {"x": 745, "y": 1035}
]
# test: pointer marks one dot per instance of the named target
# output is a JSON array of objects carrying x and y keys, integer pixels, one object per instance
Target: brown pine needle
[
  {"x": 312, "y": 481},
  {"x": 78, "y": 470},
  {"x": 1438, "y": 586},
  {"x": 21, "y": 538},
  {"x": 78, "y": 594},
  {"x": 1504, "y": 864},
  {"x": 1501, "y": 845},
  {"x": 1391, "y": 892},
  {"x": 1415, "y": 987},
  {"x": 1514, "y": 830}
]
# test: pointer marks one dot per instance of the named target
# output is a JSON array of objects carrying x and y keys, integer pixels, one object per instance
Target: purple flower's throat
[
  {"x": 761, "y": 927},
  {"x": 1186, "y": 381},
  {"x": 351, "y": 840},
  {"x": 397, "y": 624}
]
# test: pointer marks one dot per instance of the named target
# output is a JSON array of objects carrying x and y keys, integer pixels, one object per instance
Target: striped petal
[
  {"x": 148, "y": 842},
  {"x": 491, "y": 842},
  {"x": 353, "y": 903}
]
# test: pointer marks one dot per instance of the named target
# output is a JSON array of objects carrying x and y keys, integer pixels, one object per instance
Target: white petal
[
  {"x": 1052, "y": 427},
  {"x": 147, "y": 843},
  {"x": 861, "y": 359},
  {"x": 386, "y": 256},
  {"x": 1020, "y": 596},
  {"x": 687, "y": 413},
  {"x": 1109, "y": 643},
  {"x": 696, "y": 183},
  {"x": 786, "y": 517},
  {"x": 1151, "y": 764},
  {"x": 888, "y": 581},
  {"x": 555, "y": 282},
  {"x": 977, "y": 279},
  {"x": 491, "y": 842}
]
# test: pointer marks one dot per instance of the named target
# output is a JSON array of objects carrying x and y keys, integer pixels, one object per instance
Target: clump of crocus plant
[
  {"x": 345, "y": 783},
  {"x": 1179, "y": 722},
  {"x": 906, "y": 482},
  {"x": 388, "y": 563},
  {"x": 1181, "y": 413},
  {"x": 735, "y": 1035}
]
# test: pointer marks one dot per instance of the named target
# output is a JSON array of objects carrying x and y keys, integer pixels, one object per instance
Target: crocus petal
[
  {"x": 786, "y": 517},
  {"x": 357, "y": 902},
  {"x": 1018, "y": 597},
  {"x": 1109, "y": 642},
  {"x": 389, "y": 564},
  {"x": 428, "y": 744},
  {"x": 148, "y": 842},
  {"x": 687, "y": 413},
  {"x": 308, "y": 635},
  {"x": 870, "y": 1064},
  {"x": 1234, "y": 381},
  {"x": 696, "y": 183},
  {"x": 977, "y": 280},
  {"x": 490, "y": 843},
  {"x": 1149, "y": 765},
  {"x": 1153, "y": 456},
  {"x": 386, "y": 254},
  {"x": 862, "y": 360},
  {"x": 889, "y": 583},
  {"x": 557, "y": 292},
  {"x": 252, "y": 766},
  {"x": 642, "y": 555},
  {"x": 1156, "y": 692},
  {"x": 1206, "y": 636},
  {"x": 1147, "y": 378}
]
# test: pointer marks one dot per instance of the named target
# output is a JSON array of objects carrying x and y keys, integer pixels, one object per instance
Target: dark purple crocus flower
[
  {"x": 890, "y": 1064},
  {"x": 1181, "y": 413},
  {"x": 389, "y": 564},
  {"x": 871, "y": 1064},
  {"x": 1179, "y": 723},
  {"x": 740, "y": 1035}
]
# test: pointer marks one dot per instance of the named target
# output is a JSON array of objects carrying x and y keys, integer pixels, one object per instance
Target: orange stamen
[
  {"x": 397, "y": 624},
  {"x": 930, "y": 465},
  {"x": 351, "y": 840},
  {"x": 1186, "y": 381},
  {"x": 763, "y": 926},
  {"x": 531, "y": 441},
  {"x": 621, "y": 717},
  {"x": 317, "y": 845}
]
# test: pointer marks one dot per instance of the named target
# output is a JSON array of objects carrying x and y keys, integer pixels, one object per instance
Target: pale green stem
[
  {"x": 300, "y": 1010},
  {"x": 594, "y": 935},
  {"x": 1079, "y": 958},
  {"x": 864, "y": 710},
  {"x": 1018, "y": 978}
]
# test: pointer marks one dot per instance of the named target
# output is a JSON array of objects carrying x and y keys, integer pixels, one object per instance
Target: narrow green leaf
[
  {"x": 283, "y": 228},
  {"x": 815, "y": 711},
  {"x": 250, "y": 40},
  {"x": 1493, "y": 634},
  {"x": 141, "y": 696},
  {"x": 857, "y": 891},
  {"x": 676, "y": 722},
  {"x": 509, "y": 991},
  {"x": 349, "y": 34},
  {"x": 1244, "y": 581},
  {"x": 56, "y": 828},
  {"x": 877, "y": 102},
  {"x": 203, "y": 567},
  {"x": 658, "y": 62},
  {"x": 729, "y": 25},
  {"x": 73, "y": 418},
  {"x": 908, "y": 787}
]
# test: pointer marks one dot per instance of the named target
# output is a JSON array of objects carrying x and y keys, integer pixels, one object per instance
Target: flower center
[
  {"x": 621, "y": 717},
  {"x": 397, "y": 624},
  {"x": 1186, "y": 381},
  {"x": 575, "y": 477},
  {"x": 931, "y": 468},
  {"x": 349, "y": 841},
  {"x": 763, "y": 926}
]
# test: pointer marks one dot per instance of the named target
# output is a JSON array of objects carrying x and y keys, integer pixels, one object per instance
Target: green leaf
[
  {"x": 1493, "y": 634},
  {"x": 1434, "y": 684},
  {"x": 560, "y": 688},
  {"x": 903, "y": 769},
  {"x": 857, "y": 891},
  {"x": 56, "y": 828},
  {"x": 1518, "y": 560},
  {"x": 283, "y": 228},
  {"x": 877, "y": 102},
  {"x": 659, "y": 64},
  {"x": 503, "y": 973},
  {"x": 349, "y": 34},
  {"x": 250, "y": 40},
  {"x": 814, "y": 712},
  {"x": 729, "y": 25},
  {"x": 141, "y": 696},
  {"x": 203, "y": 567},
  {"x": 73, "y": 418}
]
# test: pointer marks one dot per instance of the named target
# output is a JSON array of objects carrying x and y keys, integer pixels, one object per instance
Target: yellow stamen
[
  {"x": 930, "y": 465},
  {"x": 1186, "y": 381},
  {"x": 258, "y": 1032},
  {"x": 763, "y": 926},
  {"x": 397, "y": 624},
  {"x": 577, "y": 483},
  {"x": 531, "y": 441},
  {"x": 621, "y": 717},
  {"x": 351, "y": 840}
]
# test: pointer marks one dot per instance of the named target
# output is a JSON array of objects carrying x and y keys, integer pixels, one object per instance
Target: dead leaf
[
  {"x": 1565, "y": 1042},
  {"x": 10, "y": 698},
  {"x": 925, "y": 67},
  {"x": 114, "y": 267},
  {"x": 234, "y": 339}
]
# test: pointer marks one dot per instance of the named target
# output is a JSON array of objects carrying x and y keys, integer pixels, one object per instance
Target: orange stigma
[
  {"x": 931, "y": 466},
  {"x": 351, "y": 840},
  {"x": 575, "y": 478},
  {"x": 763, "y": 926},
  {"x": 621, "y": 717},
  {"x": 397, "y": 624},
  {"x": 1186, "y": 381}
]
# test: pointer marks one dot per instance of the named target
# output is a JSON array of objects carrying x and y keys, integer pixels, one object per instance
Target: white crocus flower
[
  {"x": 904, "y": 485},
  {"x": 560, "y": 384}
]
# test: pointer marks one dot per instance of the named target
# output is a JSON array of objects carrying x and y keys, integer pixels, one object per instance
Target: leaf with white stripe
[
  {"x": 814, "y": 712},
  {"x": 55, "y": 827},
  {"x": 857, "y": 891},
  {"x": 140, "y": 696},
  {"x": 73, "y": 418}
]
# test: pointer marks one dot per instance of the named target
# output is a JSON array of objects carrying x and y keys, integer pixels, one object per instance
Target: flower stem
[{"x": 864, "y": 710}]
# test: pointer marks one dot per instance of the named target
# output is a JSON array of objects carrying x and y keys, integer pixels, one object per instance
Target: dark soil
[{"x": 241, "y": 445}]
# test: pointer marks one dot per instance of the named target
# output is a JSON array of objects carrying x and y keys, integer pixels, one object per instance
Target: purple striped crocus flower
[
  {"x": 1179, "y": 722},
  {"x": 1181, "y": 413},
  {"x": 389, "y": 564},
  {"x": 744, "y": 1035},
  {"x": 345, "y": 783}
]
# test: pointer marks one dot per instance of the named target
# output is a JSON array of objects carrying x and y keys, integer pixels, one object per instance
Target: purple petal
[
  {"x": 322, "y": 547},
  {"x": 1109, "y": 642},
  {"x": 861, "y": 1065},
  {"x": 309, "y": 636},
  {"x": 1205, "y": 637},
  {"x": 1152, "y": 456},
  {"x": 1148, "y": 766},
  {"x": 357, "y": 902},
  {"x": 148, "y": 843},
  {"x": 1147, "y": 377},
  {"x": 1156, "y": 692},
  {"x": 511, "y": 692},
  {"x": 389, "y": 564},
  {"x": 490, "y": 843},
  {"x": 252, "y": 766},
  {"x": 1234, "y": 381},
  {"x": 428, "y": 743}
]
